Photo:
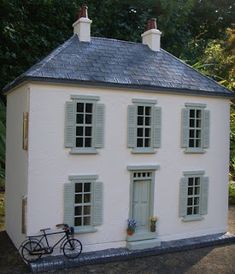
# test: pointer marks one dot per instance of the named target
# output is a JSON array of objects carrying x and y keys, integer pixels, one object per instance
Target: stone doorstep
[{"x": 119, "y": 254}]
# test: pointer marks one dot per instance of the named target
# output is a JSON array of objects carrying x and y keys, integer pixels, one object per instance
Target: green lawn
[{"x": 1, "y": 211}]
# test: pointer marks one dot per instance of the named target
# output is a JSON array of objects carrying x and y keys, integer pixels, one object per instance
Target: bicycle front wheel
[
  {"x": 72, "y": 248},
  {"x": 31, "y": 251}
]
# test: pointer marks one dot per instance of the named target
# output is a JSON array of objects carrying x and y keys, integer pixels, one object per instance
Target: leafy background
[{"x": 200, "y": 32}]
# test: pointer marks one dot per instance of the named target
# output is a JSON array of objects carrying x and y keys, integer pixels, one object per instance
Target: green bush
[{"x": 232, "y": 193}]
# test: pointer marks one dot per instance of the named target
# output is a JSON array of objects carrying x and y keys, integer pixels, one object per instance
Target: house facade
[{"x": 104, "y": 130}]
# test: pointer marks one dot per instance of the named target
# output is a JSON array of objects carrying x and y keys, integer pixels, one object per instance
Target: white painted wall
[
  {"x": 50, "y": 164},
  {"x": 16, "y": 162}
]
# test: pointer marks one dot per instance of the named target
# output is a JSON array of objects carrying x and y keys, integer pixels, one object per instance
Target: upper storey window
[
  {"x": 84, "y": 124},
  {"x": 195, "y": 128}
]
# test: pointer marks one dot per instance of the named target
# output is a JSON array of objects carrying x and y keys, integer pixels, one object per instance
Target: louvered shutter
[
  {"x": 183, "y": 197},
  {"x": 99, "y": 126},
  {"x": 132, "y": 126},
  {"x": 156, "y": 127},
  {"x": 185, "y": 128},
  {"x": 206, "y": 128},
  {"x": 69, "y": 203},
  {"x": 204, "y": 195},
  {"x": 97, "y": 215},
  {"x": 69, "y": 124}
]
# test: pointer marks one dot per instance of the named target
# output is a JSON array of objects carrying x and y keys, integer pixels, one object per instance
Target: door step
[{"x": 143, "y": 244}]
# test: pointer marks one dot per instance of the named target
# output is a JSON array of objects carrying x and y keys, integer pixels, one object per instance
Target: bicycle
[{"x": 32, "y": 249}]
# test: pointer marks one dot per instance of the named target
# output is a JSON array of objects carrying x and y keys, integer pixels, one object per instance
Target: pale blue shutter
[
  {"x": 69, "y": 189},
  {"x": 132, "y": 126},
  {"x": 69, "y": 139},
  {"x": 99, "y": 126},
  {"x": 204, "y": 195},
  {"x": 97, "y": 215},
  {"x": 206, "y": 129},
  {"x": 156, "y": 127},
  {"x": 185, "y": 128},
  {"x": 183, "y": 197}
]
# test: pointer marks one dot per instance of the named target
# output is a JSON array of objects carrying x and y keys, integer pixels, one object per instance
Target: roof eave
[{"x": 24, "y": 78}]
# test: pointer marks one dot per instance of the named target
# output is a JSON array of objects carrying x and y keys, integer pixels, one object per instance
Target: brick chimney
[
  {"x": 82, "y": 27},
  {"x": 152, "y": 35}
]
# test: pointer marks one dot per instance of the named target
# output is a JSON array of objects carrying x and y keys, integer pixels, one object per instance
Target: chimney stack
[
  {"x": 152, "y": 35},
  {"x": 82, "y": 27}
]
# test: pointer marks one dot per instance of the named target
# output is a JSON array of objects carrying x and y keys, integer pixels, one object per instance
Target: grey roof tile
[{"x": 109, "y": 61}]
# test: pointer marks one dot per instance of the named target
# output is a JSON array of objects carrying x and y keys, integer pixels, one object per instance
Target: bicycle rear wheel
[
  {"x": 30, "y": 251},
  {"x": 72, "y": 248}
]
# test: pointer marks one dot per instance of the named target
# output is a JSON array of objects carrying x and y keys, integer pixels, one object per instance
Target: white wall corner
[
  {"x": 82, "y": 27},
  {"x": 152, "y": 38}
]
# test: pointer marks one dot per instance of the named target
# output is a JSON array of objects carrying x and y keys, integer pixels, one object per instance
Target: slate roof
[{"x": 110, "y": 62}]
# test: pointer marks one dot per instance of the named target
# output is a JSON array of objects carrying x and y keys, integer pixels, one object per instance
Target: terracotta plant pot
[{"x": 130, "y": 232}]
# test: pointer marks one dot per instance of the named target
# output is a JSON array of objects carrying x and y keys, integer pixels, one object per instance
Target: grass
[{"x": 232, "y": 193}]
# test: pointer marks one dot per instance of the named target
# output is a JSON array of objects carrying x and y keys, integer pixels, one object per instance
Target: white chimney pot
[{"x": 82, "y": 27}]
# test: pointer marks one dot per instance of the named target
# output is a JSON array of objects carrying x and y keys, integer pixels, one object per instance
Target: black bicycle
[{"x": 35, "y": 246}]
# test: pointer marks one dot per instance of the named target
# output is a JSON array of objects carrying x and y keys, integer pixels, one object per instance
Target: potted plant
[
  {"x": 131, "y": 226},
  {"x": 153, "y": 221}
]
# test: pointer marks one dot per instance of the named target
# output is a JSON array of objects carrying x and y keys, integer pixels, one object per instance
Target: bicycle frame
[{"x": 49, "y": 249}]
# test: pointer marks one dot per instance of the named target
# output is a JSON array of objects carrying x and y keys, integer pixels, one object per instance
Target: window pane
[
  {"x": 140, "y": 110},
  {"x": 79, "y": 118},
  {"x": 140, "y": 121},
  {"x": 198, "y": 123},
  {"x": 147, "y": 132},
  {"x": 140, "y": 132},
  {"x": 189, "y": 211},
  {"x": 147, "y": 110},
  {"x": 198, "y": 113},
  {"x": 147, "y": 142},
  {"x": 87, "y": 187},
  {"x": 88, "y": 118},
  {"x": 147, "y": 121},
  {"x": 87, "y": 198},
  {"x": 78, "y": 210},
  {"x": 197, "y": 181},
  {"x": 89, "y": 108},
  {"x": 196, "y": 210},
  {"x": 192, "y": 113},
  {"x": 87, "y": 210},
  {"x": 88, "y": 131},
  {"x": 80, "y": 107},
  {"x": 78, "y": 198},
  {"x": 77, "y": 221},
  {"x": 78, "y": 187},
  {"x": 79, "y": 131},
  {"x": 197, "y": 190},
  {"x": 87, "y": 220},
  {"x": 192, "y": 123},
  {"x": 198, "y": 143},
  {"x": 88, "y": 142},
  {"x": 190, "y": 191},
  {"x": 79, "y": 142},
  {"x": 198, "y": 133},
  {"x": 196, "y": 201},
  {"x": 191, "y": 142},
  {"x": 190, "y": 201},
  {"x": 191, "y": 133},
  {"x": 139, "y": 142},
  {"x": 190, "y": 181}
]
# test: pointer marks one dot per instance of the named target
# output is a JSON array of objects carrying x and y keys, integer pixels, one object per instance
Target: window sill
[
  {"x": 192, "y": 218},
  {"x": 143, "y": 151},
  {"x": 82, "y": 230},
  {"x": 89, "y": 150},
  {"x": 194, "y": 151}
]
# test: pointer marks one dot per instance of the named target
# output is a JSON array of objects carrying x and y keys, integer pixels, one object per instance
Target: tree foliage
[{"x": 193, "y": 30}]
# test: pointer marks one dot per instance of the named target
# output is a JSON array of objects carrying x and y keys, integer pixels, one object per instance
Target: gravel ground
[{"x": 211, "y": 260}]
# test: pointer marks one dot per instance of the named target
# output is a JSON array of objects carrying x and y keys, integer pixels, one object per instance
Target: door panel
[{"x": 141, "y": 204}]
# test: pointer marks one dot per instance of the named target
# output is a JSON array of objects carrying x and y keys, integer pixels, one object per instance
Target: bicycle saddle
[{"x": 44, "y": 229}]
